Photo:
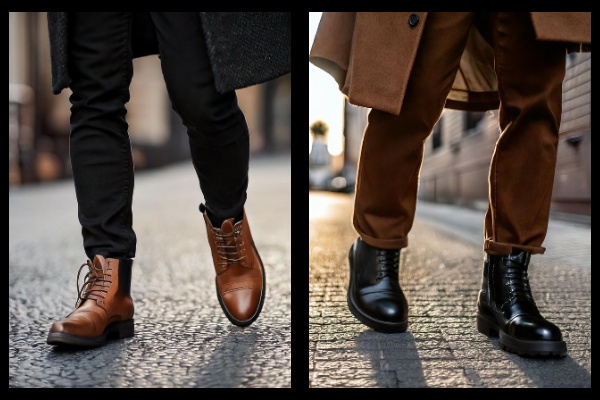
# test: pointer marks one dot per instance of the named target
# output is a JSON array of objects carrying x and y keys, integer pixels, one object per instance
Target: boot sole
[
  {"x": 533, "y": 348},
  {"x": 244, "y": 323},
  {"x": 373, "y": 323},
  {"x": 116, "y": 330}
]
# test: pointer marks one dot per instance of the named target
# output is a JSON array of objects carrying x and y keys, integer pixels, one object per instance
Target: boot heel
[
  {"x": 125, "y": 329},
  {"x": 485, "y": 326}
]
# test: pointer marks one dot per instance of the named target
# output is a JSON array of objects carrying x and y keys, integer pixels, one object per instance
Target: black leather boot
[
  {"x": 505, "y": 307},
  {"x": 374, "y": 294}
]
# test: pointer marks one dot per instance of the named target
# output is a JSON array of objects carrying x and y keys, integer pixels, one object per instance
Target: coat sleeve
[
  {"x": 568, "y": 27},
  {"x": 332, "y": 44}
]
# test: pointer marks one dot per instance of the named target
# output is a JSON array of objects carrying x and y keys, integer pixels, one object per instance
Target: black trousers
[{"x": 100, "y": 65}]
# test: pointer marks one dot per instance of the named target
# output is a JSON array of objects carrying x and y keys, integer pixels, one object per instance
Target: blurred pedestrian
[
  {"x": 319, "y": 159},
  {"x": 407, "y": 67},
  {"x": 204, "y": 58}
]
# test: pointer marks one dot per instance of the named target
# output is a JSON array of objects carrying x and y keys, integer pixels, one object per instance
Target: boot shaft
[
  {"x": 231, "y": 243},
  {"x": 375, "y": 264},
  {"x": 505, "y": 284},
  {"x": 124, "y": 275},
  {"x": 108, "y": 284}
]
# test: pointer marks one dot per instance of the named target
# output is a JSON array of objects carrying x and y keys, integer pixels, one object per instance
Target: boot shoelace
[
  {"x": 387, "y": 263},
  {"x": 517, "y": 281},
  {"x": 230, "y": 246},
  {"x": 94, "y": 286}
]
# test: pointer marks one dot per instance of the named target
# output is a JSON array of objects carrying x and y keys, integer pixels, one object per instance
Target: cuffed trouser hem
[
  {"x": 387, "y": 244},
  {"x": 505, "y": 249}
]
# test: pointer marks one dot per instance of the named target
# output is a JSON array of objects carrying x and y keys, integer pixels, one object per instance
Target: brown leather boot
[
  {"x": 240, "y": 272},
  {"x": 104, "y": 308}
]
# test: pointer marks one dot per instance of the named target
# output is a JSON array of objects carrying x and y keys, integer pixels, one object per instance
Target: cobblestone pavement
[
  {"x": 440, "y": 273},
  {"x": 182, "y": 338}
]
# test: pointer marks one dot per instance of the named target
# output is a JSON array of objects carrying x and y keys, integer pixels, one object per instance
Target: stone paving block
[{"x": 441, "y": 275}]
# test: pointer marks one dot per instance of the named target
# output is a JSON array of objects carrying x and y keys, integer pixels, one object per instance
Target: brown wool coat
[{"x": 370, "y": 55}]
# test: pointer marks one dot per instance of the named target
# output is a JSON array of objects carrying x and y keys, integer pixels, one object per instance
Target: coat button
[{"x": 413, "y": 20}]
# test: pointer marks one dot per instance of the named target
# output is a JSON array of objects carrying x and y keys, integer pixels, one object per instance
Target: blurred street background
[
  {"x": 441, "y": 269},
  {"x": 182, "y": 338},
  {"x": 39, "y": 120}
]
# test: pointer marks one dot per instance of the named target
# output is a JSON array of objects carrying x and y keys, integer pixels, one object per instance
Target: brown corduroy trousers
[{"x": 530, "y": 75}]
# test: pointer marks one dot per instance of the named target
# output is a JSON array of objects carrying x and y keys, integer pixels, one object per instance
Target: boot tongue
[
  {"x": 518, "y": 259},
  {"x": 99, "y": 262},
  {"x": 227, "y": 226},
  {"x": 227, "y": 232},
  {"x": 95, "y": 282}
]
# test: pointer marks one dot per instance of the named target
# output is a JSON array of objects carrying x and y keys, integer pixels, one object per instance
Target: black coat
[{"x": 245, "y": 48}]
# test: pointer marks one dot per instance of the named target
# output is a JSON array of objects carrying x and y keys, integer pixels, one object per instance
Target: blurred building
[
  {"x": 459, "y": 150},
  {"x": 39, "y": 120},
  {"x": 356, "y": 121}
]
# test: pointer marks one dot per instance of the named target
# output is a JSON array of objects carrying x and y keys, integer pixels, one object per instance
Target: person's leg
[
  {"x": 217, "y": 129},
  {"x": 101, "y": 70},
  {"x": 530, "y": 75},
  {"x": 392, "y": 148},
  {"x": 100, "y": 151},
  {"x": 388, "y": 174},
  {"x": 219, "y": 144}
]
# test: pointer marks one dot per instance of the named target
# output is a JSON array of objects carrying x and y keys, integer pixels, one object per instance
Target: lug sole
[
  {"x": 116, "y": 330},
  {"x": 532, "y": 348}
]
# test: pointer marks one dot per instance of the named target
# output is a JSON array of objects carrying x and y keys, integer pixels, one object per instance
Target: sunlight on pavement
[{"x": 327, "y": 205}]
